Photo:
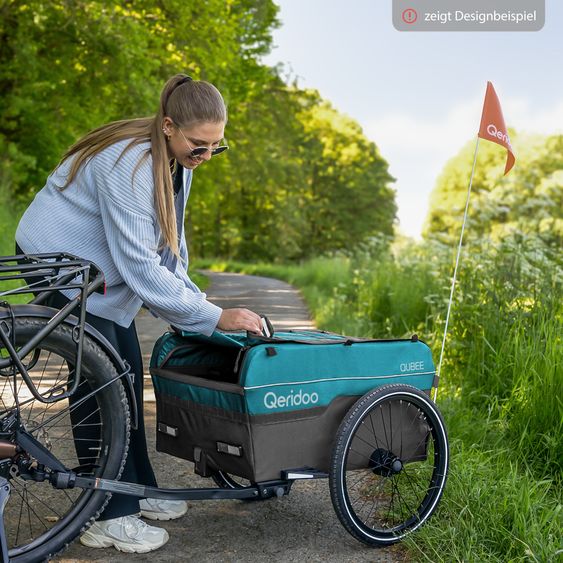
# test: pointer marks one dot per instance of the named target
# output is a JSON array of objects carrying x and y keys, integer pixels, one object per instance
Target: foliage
[
  {"x": 493, "y": 509},
  {"x": 527, "y": 202},
  {"x": 345, "y": 174},
  {"x": 310, "y": 175},
  {"x": 67, "y": 66}
]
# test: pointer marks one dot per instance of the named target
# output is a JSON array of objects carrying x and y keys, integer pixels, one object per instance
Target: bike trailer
[{"x": 255, "y": 407}]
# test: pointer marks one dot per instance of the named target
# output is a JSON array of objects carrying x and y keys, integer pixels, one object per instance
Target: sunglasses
[{"x": 199, "y": 151}]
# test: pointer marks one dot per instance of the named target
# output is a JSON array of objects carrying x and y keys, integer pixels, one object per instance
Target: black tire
[
  {"x": 40, "y": 520},
  {"x": 389, "y": 464}
]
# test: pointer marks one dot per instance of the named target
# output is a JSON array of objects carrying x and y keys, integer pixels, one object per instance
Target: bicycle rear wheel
[{"x": 91, "y": 437}]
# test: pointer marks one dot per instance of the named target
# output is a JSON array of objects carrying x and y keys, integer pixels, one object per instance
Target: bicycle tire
[{"x": 112, "y": 430}]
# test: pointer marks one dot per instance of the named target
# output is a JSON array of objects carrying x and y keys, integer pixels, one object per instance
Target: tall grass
[
  {"x": 502, "y": 383},
  {"x": 506, "y": 342}
]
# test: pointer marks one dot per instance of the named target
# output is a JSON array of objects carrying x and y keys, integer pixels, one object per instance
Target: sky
[{"x": 419, "y": 96}]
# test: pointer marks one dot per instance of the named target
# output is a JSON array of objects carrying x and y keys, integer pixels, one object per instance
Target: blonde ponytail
[{"x": 187, "y": 102}]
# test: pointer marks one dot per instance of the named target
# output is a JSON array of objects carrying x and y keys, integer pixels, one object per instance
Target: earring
[{"x": 166, "y": 134}]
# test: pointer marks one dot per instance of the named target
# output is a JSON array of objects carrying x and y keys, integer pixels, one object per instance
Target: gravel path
[{"x": 300, "y": 527}]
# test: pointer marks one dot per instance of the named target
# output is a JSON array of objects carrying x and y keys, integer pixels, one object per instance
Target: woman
[{"x": 118, "y": 198}]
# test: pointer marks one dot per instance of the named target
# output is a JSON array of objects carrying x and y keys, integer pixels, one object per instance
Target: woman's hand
[{"x": 240, "y": 319}]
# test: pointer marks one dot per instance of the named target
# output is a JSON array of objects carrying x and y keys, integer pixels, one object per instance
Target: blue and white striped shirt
[{"x": 107, "y": 215}]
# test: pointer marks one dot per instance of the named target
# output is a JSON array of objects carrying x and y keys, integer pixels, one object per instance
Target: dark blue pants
[{"x": 137, "y": 468}]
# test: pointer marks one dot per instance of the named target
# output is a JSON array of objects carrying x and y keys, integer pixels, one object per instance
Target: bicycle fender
[{"x": 44, "y": 312}]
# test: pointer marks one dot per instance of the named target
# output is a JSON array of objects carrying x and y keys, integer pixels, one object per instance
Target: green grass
[
  {"x": 8, "y": 223},
  {"x": 201, "y": 280},
  {"x": 495, "y": 508},
  {"x": 501, "y": 393}
]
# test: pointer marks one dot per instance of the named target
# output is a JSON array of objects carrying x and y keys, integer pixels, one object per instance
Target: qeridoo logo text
[
  {"x": 494, "y": 132},
  {"x": 273, "y": 401}
]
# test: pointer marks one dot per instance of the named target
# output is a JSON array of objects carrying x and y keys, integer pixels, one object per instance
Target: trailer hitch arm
[{"x": 70, "y": 480}]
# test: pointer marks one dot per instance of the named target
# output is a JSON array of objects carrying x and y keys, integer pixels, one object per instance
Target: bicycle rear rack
[{"x": 54, "y": 272}]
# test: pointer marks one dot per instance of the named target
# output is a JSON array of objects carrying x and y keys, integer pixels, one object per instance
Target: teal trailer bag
[{"x": 256, "y": 406}]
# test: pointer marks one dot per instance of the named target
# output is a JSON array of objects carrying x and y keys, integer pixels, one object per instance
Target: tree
[
  {"x": 527, "y": 202},
  {"x": 348, "y": 197},
  {"x": 67, "y": 66},
  {"x": 300, "y": 178}
]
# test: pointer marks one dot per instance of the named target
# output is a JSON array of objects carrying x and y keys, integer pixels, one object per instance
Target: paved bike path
[{"x": 296, "y": 528}]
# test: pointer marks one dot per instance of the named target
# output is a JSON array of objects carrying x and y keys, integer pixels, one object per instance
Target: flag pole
[{"x": 455, "y": 273}]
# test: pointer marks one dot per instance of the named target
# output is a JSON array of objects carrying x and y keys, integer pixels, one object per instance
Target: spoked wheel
[
  {"x": 389, "y": 464},
  {"x": 90, "y": 437}
]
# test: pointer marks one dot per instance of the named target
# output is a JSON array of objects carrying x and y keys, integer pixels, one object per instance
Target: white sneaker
[
  {"x": 127, "y": 533},
  {"x": 156, "y": 509}
]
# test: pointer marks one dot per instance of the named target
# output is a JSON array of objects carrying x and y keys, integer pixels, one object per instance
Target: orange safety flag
[{"x": 492, "y": 125}]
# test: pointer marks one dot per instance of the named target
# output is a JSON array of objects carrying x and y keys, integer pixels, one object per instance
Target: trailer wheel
[{"x": 389, "y": 464}]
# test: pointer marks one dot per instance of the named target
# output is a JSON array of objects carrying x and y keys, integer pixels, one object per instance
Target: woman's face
[{"x": 184, "y": 140}]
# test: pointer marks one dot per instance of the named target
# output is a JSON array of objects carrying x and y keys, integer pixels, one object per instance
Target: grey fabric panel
[
  {"x": 289, "y": 416},
  {"x": 273, "y": 443},
  {"x": 291, "y": 444},
  {"x": 227, "y": 415},
  {"x": 203, "y": 426},
  {"x": 269, "y": 443}
]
